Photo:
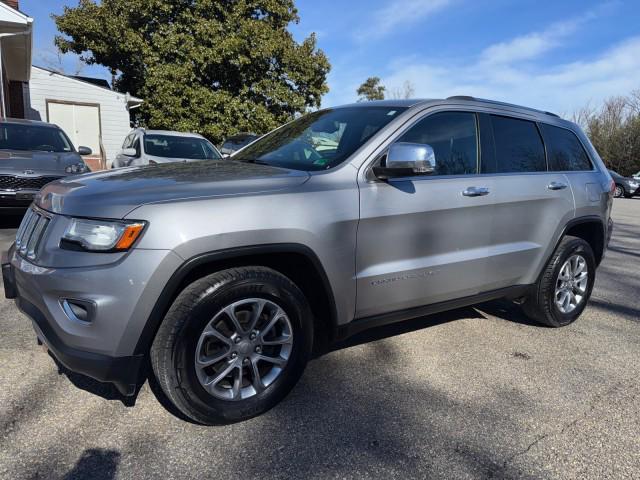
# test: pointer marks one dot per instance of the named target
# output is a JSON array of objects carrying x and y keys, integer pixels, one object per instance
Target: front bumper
[
  {"x": 17, "y": 201},
  {"x": 103, "y": 347},
  {"x": 123, "y": 372}
]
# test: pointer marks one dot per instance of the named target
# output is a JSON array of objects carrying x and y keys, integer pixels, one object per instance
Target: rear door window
[
  {"x": 511, "y": 145},
  {"x": 564, "y": 150}
]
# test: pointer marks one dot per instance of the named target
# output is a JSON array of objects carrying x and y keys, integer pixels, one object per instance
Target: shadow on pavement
[
  {"x": 615, "y": 308},
  {"x": 96, "y": 464}
]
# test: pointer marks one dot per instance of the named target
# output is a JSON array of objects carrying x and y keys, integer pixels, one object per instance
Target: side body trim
[{"x": 366, "y": 323}]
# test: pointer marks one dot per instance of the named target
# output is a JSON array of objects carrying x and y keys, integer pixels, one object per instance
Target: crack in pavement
[{"x": 592, "y": 405}]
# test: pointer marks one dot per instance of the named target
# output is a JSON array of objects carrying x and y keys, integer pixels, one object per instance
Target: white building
[
  {"x": 16, "y": 39},
  {"x": 87, "y": 109},
  {"x": 91, "y": 114}
]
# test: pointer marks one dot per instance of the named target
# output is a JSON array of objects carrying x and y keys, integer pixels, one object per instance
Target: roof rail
[
  {"x": 461, "y": 97},
  {"x": 496, "y": 102}
]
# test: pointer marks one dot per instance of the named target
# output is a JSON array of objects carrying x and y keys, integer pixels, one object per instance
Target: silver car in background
[
  {"x": 33, "y": 154},
  {"x": 145, "y": 147},
  {"x": 224, "y": 275}
]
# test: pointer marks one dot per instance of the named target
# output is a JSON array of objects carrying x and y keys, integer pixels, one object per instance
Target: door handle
[
  {"x": 476, "y": 192},
  {"x": 557, "y": 186}
]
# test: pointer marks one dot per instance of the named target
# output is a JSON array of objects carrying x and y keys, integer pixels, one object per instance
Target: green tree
[
  {"x": 217, "y": 67},
  {"x": 371, "y": 89},
  {"x": 614, "y": 130}
]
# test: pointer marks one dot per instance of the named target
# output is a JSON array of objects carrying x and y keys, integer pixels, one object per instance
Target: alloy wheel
[
  {"x": 619, "y": 192},
  {"x": 571, "y": 284},
  {"x": 243, "y": 349}
]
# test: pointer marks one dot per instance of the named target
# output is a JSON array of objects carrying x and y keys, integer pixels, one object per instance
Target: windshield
[
  {"x": 319, "y": 140},
  {"x": 236, "y": 143},
  {"x": 169, "y": 146},
  {"x": 33, "y": 138}
]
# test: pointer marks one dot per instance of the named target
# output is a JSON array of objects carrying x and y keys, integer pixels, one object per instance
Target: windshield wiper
[{"x": 256, "y": 161}]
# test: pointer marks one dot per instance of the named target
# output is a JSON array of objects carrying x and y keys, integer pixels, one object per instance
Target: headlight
[
  {"x": 102, "y": 235},
  {"x": 76, "y": 168}
]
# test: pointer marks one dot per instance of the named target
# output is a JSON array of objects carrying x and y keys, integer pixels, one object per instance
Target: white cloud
[
  {"x": 532, "y": 45},
  {"x": 398, "y": 14},
  {"x": 561, "y": 88},
  {"x": 515, "y": 70}
]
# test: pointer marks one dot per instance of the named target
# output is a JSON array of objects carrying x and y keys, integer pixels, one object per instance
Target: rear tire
[
  {"x": 619, "y": 191},
  {"x": 562, "y": 291},
  {"x": 244, "y": 316}
]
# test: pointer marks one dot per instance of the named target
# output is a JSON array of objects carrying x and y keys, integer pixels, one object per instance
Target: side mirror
[
  {"x": 84, "y": 151},
  {"x": 407, "y": 160},
  {"x": 130, "y": 152}
]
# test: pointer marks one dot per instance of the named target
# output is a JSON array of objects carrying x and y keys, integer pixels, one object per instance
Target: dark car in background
[
  {"x": 236, "y": 142},
  {"x": 33, "y": 154},
  {"x": 625, "y": 186}
]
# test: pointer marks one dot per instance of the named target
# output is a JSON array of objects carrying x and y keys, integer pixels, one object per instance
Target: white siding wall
[{"x": 114, "y": 117}]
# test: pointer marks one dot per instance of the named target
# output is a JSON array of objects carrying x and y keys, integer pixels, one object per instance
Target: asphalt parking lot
[{"x": 475, "y": 393}]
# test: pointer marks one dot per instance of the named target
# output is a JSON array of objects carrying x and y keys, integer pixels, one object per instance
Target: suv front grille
[
  {"x": 31, "y": 232},
  {"x": 11, "y": 182}
]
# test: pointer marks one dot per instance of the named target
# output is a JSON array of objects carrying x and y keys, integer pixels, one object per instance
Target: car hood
[
  {"x": 15, "y": 162},
  {"x": 115, "y": 193}
]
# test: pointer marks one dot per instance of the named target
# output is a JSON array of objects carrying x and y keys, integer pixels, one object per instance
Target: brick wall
[{"x": 11, "y": 3}]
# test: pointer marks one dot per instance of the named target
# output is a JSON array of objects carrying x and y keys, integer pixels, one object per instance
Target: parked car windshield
[
  {"x": 319, "y": 140},
  {"x": 33, "y": 138},
  {"x": 237, "y": 142},
  {"x": 170, "y": 146}
]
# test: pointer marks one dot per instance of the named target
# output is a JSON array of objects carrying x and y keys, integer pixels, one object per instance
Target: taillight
[{"x": 612, "y": 188}]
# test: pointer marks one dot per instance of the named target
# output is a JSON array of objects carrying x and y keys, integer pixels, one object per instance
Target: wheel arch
[
  {"x": 592, "y": 230},
  {"x": 296, "y": 261}
]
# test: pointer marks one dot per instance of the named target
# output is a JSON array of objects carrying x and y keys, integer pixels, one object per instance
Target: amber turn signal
[{"x": 130, "y": 235}]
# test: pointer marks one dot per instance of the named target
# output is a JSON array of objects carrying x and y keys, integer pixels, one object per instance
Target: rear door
[
  {"x": 421, "y": 240},
  {"x": 567, "y": 154},
  {"x": 530, "y": 203}
]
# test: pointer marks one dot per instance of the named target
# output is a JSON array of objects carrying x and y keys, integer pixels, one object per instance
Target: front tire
[
  {"x": 564, "y": 287},
  {"x": 233, "y": 345}
]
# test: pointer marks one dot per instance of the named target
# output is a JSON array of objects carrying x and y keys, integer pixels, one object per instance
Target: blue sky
[{"x": 554, "y": 55}]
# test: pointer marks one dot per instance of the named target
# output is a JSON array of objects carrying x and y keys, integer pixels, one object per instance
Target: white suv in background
[{"x": 144, "y": 147}]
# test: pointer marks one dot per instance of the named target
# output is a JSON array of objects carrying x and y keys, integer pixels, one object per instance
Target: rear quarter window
[
  {"x": 564, "y": 150},
  {"x": 511, "y": 145}
]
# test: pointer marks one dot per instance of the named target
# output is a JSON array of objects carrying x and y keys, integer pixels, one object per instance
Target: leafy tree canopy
[
  {"x": 217, "y": 67},
  {"x": 371, "y": 89}
]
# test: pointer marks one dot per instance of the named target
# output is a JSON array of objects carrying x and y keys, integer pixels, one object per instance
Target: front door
[{"x": 426, "y": 239}]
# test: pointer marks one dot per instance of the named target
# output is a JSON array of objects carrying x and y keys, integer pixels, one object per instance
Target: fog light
[{"x": 78, "y": 310}]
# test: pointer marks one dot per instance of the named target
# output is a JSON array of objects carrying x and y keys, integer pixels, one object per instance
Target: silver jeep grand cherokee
[{"x": 222, "y": 276}]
